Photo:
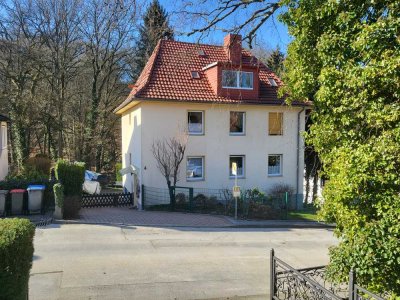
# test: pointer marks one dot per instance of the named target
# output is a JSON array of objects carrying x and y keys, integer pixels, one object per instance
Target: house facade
[
  {"x": 224, "y": 102},
  {"x": 3, "y": 147}
]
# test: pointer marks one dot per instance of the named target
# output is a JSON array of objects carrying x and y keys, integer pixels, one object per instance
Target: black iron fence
[
  {"x": 287, "y": 283},
  {"x": 252, "y": 203},
  {"x": 106, "y": 200}
]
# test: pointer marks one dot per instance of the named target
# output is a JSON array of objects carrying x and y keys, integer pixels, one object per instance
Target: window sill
[
  {"x": 275, "y": 134},
  {"x": 273, "y": 175},
  {"x": 198, "y": 134},
  {"x": 239, "y": 177},
  {"x": 237, "y": 134},
  {"x": 195, "y": 179}
]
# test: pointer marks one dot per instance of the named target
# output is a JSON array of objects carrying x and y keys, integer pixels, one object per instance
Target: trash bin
[
  {"x": 35, "y": 198},
  {"x": 17, "y": 201},
  {"x": 3, "y": 197}
]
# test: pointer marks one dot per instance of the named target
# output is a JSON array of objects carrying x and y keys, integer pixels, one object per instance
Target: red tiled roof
[{"x": 167, "y": 76}]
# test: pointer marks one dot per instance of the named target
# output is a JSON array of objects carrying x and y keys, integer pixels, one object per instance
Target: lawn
[{"x": 306, "y": 215}]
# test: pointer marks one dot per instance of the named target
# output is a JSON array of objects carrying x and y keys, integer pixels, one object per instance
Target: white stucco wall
[
  {"x": 3, "y": 157},
  {"x": 131, "y": 123},
  {"x": 160, "y": 119}
]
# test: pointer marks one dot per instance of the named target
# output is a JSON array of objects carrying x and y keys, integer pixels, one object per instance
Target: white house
[
  {"x": 3, "y": 147},
  {"x": 226, "y": 100}
]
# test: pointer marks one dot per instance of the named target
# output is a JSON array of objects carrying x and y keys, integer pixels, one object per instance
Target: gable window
[
  {"x": 275, "y": 123},
  {"x": 275, "y": 164},
  {"x": 195, "y": 168},
  {"x": 237, "y": 123},
  {"x": 237, "y": 79},
  {"x": 196, "y": 122},
  {"x": 3, "y": 137},
  {"x": 239, "y": 160}
]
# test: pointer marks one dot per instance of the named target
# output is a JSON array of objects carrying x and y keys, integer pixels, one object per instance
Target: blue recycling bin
[{"x": 35, "y": 198}]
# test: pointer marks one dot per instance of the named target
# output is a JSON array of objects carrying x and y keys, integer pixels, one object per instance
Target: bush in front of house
[
  {"x": 16, "y": 251},
  {"x": 71, "y": 176}
]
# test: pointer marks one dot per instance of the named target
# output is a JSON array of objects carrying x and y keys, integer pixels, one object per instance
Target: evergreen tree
[
  {"x": 155, "y": 27},
  {"x": 275, "y": 61}
]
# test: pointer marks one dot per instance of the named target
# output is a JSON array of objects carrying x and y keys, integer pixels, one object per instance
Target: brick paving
[{"x": 125, "y": 216}]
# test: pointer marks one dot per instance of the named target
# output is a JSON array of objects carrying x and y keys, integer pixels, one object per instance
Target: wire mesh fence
[{"x": 254, "y": 204}]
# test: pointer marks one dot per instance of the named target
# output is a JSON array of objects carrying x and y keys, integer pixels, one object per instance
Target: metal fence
[
  {"x": 287, "y": 283},
  {"x": 252, "y": 203}
]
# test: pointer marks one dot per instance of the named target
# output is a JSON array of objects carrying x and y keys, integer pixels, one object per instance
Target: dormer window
[
  {"x": 237, "y": 79},
  {"x": 272, "y": 82}
]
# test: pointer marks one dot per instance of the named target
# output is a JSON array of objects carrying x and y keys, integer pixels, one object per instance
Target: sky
[{"x": 272, "y": 34}]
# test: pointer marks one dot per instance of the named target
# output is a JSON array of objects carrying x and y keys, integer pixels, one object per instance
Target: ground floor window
[
  {"x": 275, "y": 164},
  {"x": 195, "y": 168},
  {"x": 239, "y": 161}
]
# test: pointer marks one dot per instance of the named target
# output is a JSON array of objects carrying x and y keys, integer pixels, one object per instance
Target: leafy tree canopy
[{"x": 345, "y": 56}]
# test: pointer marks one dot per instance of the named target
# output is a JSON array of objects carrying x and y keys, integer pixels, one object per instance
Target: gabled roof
[{"x": 167, "y": 75}]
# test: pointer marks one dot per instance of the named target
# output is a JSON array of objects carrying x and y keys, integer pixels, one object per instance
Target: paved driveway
[
  {"x": 82, "y": 261},
  {"x": 126, "y": 216}
]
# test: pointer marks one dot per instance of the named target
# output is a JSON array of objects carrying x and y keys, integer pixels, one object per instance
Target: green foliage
[
  {"x": 155, "y": 27},
  {"x": 118, "y": 176},
  {"x": 345, "y": 56},
  {"x": 59, "y": 194},
  {"x": 71, "y": 175},
  {"x": 16, "y": 251},
  {"x": 275, "y": 62}
]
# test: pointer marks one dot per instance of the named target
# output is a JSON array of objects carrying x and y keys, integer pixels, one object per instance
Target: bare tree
[
  {"x": 169, "y": 153},
  {"x": 234, "y": 16}
]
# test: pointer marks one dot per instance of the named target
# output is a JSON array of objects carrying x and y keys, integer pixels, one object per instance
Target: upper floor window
[
  {"x": 196, "y": 122},
  {"x": 275, "y": 123},
  {"x": 237, "y": 123},
  {"x": 3, "y": 137},
  {"x": 237, "y": 79}
]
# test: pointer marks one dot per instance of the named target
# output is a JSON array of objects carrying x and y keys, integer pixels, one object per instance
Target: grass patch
[{"x": 306, "y": 215}]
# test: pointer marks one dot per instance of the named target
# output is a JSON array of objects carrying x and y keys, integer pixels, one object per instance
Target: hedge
[
  {"x": 16, "y": 251},
  {"x": 71, "y": 175}
]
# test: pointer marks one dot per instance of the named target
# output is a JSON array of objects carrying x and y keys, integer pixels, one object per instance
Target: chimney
[{"x": 233, "y": 47}]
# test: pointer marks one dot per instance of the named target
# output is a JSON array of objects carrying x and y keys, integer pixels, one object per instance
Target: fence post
[
  {"x": 115, "y": 200},
  {"x": 272, "y": 275},
  {"x": 143, "y": 196},
  {"x": 190, "y": 199},
  {"x": 286, "y": 204},
  {"x": 351, "y": 285}
]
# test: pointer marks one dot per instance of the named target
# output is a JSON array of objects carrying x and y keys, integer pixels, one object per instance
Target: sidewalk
[{"x": 129, "y": 217}]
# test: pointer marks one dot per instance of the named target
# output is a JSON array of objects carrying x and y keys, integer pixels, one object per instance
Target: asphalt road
[{"x": 110, "y": 262}]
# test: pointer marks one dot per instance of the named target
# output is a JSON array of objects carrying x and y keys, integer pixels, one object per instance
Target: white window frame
[
  {"x": 243, "y": 121},
  {"x": 282, "y": 123},
  {"x": 202, "y": 166},
  {"x": 3, "y": 136},
  {"x": 238, "y": 81},
  {"x": 280, "y": 166},
  {"x": 202, "y": 122},
  {"x": 243, "y": 163}
]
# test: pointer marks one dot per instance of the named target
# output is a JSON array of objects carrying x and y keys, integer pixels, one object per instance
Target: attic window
[
  {"x": 195, "y": 75},
  {"x": 272, "y": 82},
  {"x": 201, "y": 52}
]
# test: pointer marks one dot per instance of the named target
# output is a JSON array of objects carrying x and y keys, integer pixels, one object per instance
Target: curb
[{"x": 303, "y": 225}]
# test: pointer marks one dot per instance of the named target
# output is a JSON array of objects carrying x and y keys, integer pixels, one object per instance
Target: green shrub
[
  {"x": 58, "y": 189},
  {"x": 118, "y": 176},
  {"x": 71, "y": 175},
  {"x": 16, "y": 251}
]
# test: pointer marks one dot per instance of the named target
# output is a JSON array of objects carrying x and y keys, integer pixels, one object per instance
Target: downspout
[{"x": 298, "y": 156}]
